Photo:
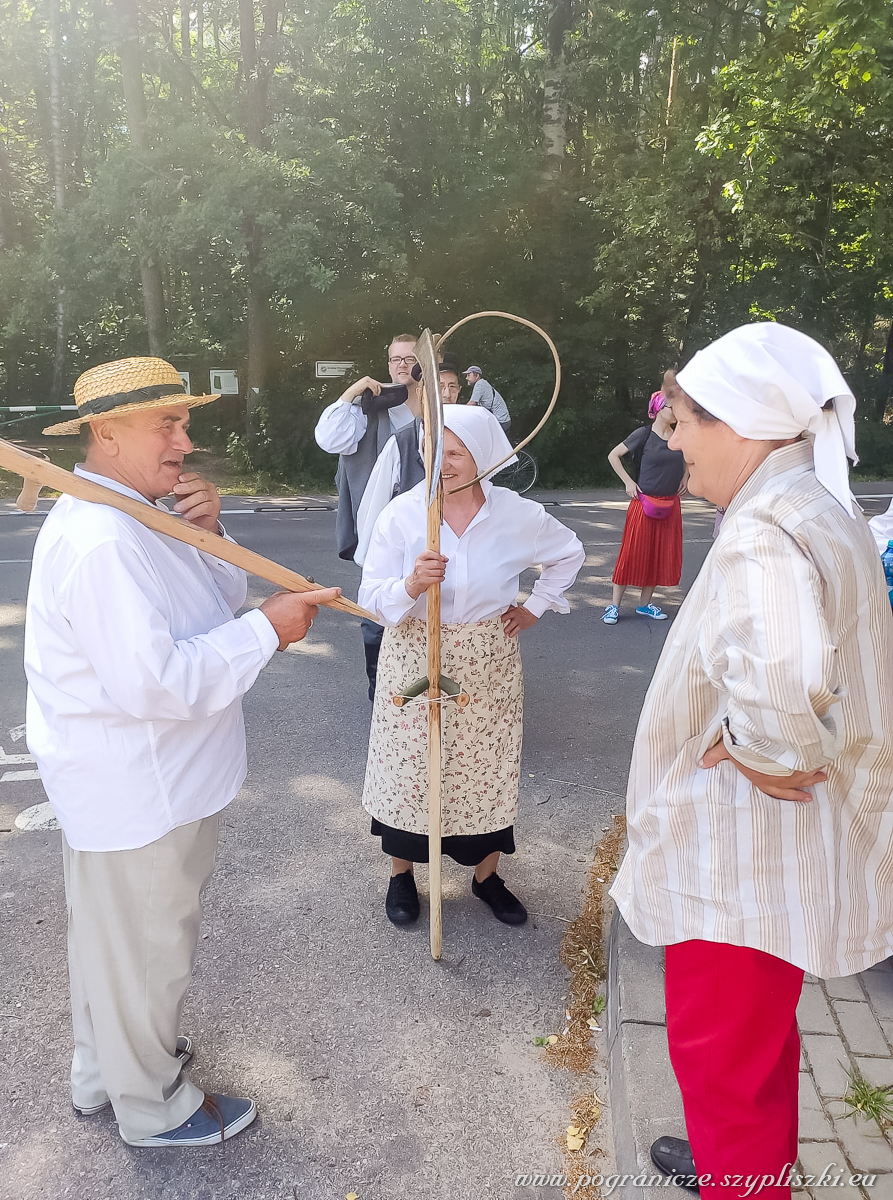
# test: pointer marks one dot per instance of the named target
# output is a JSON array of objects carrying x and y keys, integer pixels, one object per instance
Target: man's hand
[
  {"x": 782, "y": 787},
  {"x": 291, "y": 613},
  {"x": 430, "y": 568},
  {"x": 197, "y": 501},
  {"x": 517, "y": 617},
  {"x": 357, "y": 389}
]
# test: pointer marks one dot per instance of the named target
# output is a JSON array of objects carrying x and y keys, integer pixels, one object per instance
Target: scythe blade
[{"x": 432, "y": 413}]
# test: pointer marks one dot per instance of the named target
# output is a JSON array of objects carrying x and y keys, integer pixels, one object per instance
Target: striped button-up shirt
[{"x": 784, "y": 648}]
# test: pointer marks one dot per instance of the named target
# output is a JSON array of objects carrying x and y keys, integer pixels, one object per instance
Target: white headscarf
[
  {"x": 769, "y": 382},
  {"x": 481, "y": 432}
]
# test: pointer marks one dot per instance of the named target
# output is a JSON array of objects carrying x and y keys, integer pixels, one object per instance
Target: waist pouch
[{"x": 656, "y": 507}]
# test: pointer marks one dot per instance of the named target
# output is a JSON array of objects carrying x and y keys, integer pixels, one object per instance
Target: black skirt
[{"x": 467, "y": 849}]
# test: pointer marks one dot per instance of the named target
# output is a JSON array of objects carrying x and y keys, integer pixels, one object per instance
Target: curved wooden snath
[{"x": 526, "y": 441}]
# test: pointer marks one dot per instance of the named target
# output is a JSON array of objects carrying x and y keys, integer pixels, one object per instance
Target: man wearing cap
[
  {"x": 356, "y": 428},
  {"x": 486, "y": 395},
  {"x": 136, "y": 667}
]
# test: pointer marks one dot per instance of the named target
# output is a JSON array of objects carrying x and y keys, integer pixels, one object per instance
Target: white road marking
[
  {"x": 7, "y": 760},
  {"x": 37, "y": 818},
  {"x": 18, "y": 776},
  {"x": 5, "y": 561}
]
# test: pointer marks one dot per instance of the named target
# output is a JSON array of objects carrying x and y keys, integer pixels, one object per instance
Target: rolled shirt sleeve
[
  {"x": 340, "y": 428},
  {"x": 119, "y": 613},
  {"x": 773, "y": 656},
  {"x": 560, "y": 553}
]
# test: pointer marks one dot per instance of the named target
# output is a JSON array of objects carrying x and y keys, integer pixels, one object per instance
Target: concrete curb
[{"x": 645, "y": 1099}]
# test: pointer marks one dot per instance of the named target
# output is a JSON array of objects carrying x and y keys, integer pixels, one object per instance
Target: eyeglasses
[{"x": 409, "y": 359}]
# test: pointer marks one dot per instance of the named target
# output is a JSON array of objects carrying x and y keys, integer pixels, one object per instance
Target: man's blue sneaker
[
  {"x": 612, "y": 612},
  {"x": 219, "y": 1118},
  {"x": 652, "y": 611}
]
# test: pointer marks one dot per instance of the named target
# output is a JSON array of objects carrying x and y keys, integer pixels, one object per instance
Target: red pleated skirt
[{"x": 651, "y": 551}]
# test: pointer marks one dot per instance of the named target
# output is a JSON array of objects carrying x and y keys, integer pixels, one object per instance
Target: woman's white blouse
[{"x": 507, "y": 536}]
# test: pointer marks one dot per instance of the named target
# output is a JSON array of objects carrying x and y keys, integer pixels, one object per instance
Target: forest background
[{"x": 258, "y": 186}]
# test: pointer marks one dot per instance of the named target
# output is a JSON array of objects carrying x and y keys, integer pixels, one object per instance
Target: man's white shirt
[
  {"x": 341, "y": 427},
  {"x": 136, "y": 667},
  {"x": 380, "y": 491}
]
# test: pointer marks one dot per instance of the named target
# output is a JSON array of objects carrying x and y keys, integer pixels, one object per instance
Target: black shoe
[
  {"x": 402, "y": 904},
  {"x": 673, "y": 1156},
  {"x": 506, "y": 907}
]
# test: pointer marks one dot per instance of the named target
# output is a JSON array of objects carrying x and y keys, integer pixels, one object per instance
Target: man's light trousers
[{"x": 133, "y": 926}]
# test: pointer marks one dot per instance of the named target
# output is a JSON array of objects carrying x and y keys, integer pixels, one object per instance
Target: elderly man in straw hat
[
  {"x": 136, "y": 668},
  {"x": 760, "y": 802}
]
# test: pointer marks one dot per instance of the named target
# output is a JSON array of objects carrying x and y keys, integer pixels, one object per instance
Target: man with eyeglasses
[
  {"x": 390, "y": 472},
  {"x": 357, "y": 427}
]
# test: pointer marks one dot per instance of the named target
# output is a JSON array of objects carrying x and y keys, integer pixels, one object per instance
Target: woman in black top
[{"x": 651, "y": 550}]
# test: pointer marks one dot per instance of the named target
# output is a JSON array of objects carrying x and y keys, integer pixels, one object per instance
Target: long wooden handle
[
  {"x": 46, "y": 474},
  {"x": 435, "y": 743}
]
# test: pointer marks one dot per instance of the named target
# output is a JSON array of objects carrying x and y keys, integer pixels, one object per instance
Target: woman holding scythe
[{"x": 489, "y": 536}]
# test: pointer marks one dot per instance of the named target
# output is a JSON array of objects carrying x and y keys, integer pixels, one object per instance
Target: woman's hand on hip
[
  {"x": 782, "y": 787},
  {"x": 516, "y": 618},
  {"x": 632, "y": 490},
  {"x": 429, "y": 569}
]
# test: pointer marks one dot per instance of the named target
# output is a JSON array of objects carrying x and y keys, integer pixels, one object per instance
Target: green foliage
[{"x": 382, "y": 166}]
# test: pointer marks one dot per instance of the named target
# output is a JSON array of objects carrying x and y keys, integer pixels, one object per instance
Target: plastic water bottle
[{"x": 887, "y": 560}]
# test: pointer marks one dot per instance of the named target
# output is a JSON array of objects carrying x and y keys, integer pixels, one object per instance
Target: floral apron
[{"x": 481, "y": 745}]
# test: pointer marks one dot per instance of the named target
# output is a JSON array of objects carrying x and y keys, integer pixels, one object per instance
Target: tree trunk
[
  {"x": 130, "y": 55},
  {"x": 57, "y": 159},
  {"x": 554, "y": 109},
  {"x": 475, "y": 73},
  {"x": 258, "y": 347},
  {"x": 8, "y": 223},
  {"x": 186, "y": 53},
  {"x": 257, "y": 66}
]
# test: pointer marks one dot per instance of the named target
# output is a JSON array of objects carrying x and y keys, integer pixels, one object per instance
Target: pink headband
[{"x": 655, "y": 404}]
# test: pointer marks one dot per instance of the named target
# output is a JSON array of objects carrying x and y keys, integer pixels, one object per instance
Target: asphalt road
[{"x": 376, "y": 1070}]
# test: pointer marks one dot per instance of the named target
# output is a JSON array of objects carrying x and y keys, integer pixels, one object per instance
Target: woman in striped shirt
[{"x": 759, "y": 805}]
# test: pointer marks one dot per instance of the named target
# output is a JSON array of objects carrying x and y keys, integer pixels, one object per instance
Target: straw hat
[{"x": 127, "y": 385}]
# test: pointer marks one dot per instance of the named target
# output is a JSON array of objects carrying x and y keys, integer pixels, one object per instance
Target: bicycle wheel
[{"x": 519, "y": 476}]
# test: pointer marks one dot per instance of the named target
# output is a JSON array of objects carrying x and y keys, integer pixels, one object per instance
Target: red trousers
[{"x": 732, "y": 1029}]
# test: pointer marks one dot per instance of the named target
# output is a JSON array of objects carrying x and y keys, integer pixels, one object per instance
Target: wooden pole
[
  {"x": 38, "y": 473},
  {"x": 435, "y": 746},
  {"x": 432, "y": 417}
]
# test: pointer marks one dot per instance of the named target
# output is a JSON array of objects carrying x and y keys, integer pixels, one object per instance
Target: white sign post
[
  {"x": 225, "y": 383},
  {"x": 332, "y": 370}
]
